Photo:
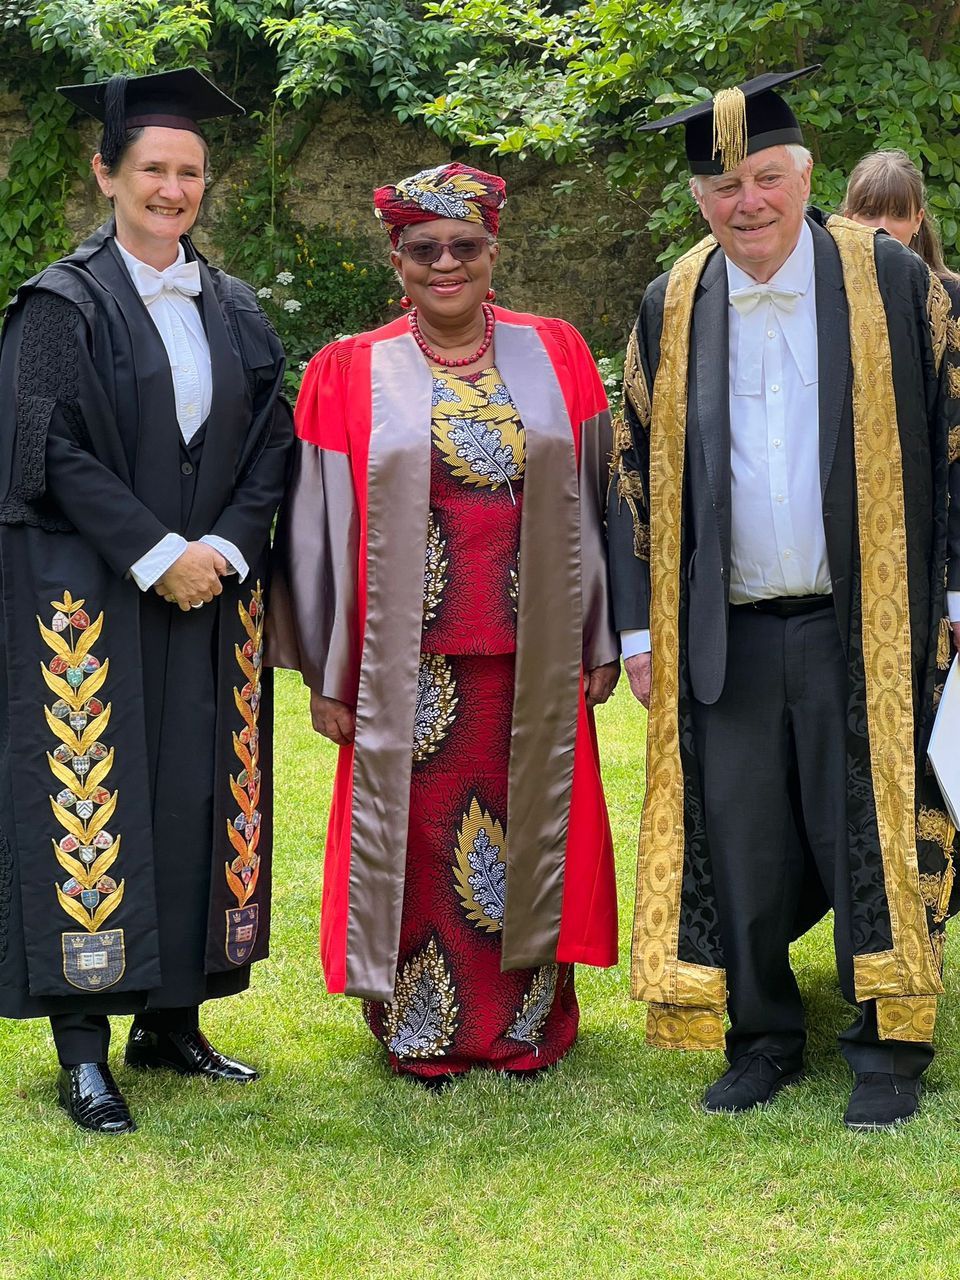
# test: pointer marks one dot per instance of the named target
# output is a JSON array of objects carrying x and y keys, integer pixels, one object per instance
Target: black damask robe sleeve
[
  {"x": 57, "y": 390},
  {"x": 628, "y": 514}
]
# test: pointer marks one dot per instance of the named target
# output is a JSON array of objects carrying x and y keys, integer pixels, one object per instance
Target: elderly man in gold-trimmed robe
[{"x": 778, "y": 530}]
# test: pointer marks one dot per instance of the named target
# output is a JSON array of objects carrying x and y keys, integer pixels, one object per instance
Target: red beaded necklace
[{"x": 481, "y": 351}]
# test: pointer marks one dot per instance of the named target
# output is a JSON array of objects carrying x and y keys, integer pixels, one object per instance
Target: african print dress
[{"x": 453, "y": 1008}]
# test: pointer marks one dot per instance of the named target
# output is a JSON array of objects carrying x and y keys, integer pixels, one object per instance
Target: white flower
[
  {"x": 302, "y": 365},
  {"x": 292, "y": 305},
  {"x": 284, "y": 277},
  {"x": 265, "y": 293}
]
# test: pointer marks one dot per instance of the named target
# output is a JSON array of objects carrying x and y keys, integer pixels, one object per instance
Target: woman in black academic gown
[{"x": 143, "y": 452}]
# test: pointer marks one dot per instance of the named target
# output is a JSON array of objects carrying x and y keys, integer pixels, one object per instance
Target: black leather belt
[{"x": 789, "y": 606}]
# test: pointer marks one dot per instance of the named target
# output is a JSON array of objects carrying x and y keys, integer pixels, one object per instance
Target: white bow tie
[
  {"x": 746, "y": 300},
  {"x": 182, "y": 277}
]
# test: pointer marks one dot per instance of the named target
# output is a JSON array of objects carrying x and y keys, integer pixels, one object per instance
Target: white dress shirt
[
  {"x": 777, "y": 544},
  {"x": 778, "y": 547},
  {"x": 168, "y": 296}
]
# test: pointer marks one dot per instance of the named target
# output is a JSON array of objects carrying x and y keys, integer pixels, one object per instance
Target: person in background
[
  {"x": 442, "y": 587},
  {"x": 143, "y": 452},
  {"x": 886, "y": 189}
]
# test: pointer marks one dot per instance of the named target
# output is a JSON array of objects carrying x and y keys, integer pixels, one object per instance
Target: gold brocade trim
[
  {"x": 953, "y": 444},
  {"x": 672, "y": 1026},
  {"x": 621, "y": 442},
  {"x": 656, "y": 975},
  {"x": 953, "y": 381},
  {"x": 953, "y": 334},
  {"x": 907, "y": 1018},
  {"x": 635, "y": 384},
  {"x": 934, "y": 825},
  {"x": 641, "y": 540},
  {"x": 938, "y": 313},
  {"x": 630, "y": 485},
  {"x": 944, "y": 644},
  {"x": 886, "y": 619}
]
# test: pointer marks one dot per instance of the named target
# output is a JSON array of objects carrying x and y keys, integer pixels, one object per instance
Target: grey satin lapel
[
  {"x": 833, "y": 345},
  {"x": 711, "y": 325},
  {"x": 549, "y": 648},
  {"x": 398, "y": 504}
]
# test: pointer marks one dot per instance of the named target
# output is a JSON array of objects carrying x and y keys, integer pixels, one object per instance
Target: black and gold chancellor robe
[
  {"x": 135, "y": 767},
  {"x": 889, "y": 405}
]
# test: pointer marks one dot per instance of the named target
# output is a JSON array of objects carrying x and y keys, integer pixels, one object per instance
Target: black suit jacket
[{"x": 706, "y": 548}]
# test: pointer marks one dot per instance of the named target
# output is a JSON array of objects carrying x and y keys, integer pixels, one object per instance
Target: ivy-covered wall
[
  {"x": 561, "y": 255},
  {"x": 344, "y": 94}
]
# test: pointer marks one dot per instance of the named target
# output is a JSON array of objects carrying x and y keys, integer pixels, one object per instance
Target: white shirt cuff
[
  {"x": 634, "y": 642},
  {"x": 953, "y": 605},
  {"x": 229, "y": 552},
  {"x": 151, "y": 567}
]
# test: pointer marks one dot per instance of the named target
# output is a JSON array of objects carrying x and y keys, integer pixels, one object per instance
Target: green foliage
[
  {"x": 382, "y": 50},
  {"x": 33, "y": 228},
  {"x": 577, "y": 83},
  {"x": 314, "y": 283},
  {"x": 569, "y": 82},
  {"x": 104, "y": 37}
]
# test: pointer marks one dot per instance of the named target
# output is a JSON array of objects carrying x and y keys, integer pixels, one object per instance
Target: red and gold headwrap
[{"x": 448, "y": 191}]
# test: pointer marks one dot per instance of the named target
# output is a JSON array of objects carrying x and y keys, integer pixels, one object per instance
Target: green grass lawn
[{"x": 331, "y": 1167}]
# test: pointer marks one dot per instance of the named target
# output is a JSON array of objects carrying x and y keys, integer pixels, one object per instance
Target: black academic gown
[
  {"x": 927, "y": 393},
  {"x": 135, "y": 820}
]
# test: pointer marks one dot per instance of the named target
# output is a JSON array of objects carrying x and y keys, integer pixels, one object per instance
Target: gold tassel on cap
[{"x": 730, "y": 127}]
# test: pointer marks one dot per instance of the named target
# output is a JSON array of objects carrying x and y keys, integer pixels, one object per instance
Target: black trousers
[
  {"x": 772, "y": 751},
  {"x": 85, "y": 1037}
]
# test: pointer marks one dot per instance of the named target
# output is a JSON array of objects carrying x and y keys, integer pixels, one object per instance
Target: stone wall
[{"x": 559, "y": 256}]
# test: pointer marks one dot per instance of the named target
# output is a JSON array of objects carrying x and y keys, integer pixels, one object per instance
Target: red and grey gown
[{"x": 469, "y": 861}]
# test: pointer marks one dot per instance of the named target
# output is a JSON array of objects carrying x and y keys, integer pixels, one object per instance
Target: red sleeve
[
  {"x": 575, "y": 368},
  {"x": 320, "y": 415}
]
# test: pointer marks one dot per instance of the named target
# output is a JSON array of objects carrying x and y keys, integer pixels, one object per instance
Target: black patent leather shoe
[
  {"x": 189, "y": 1053},
  {"x": 89, "y": 1095},
  {"x": 881, "y": 1100},
  {"x": 750, "y": 1082}
]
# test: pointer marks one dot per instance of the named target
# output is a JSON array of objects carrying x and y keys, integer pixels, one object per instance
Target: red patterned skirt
[{"x": 453, "y": 1009}]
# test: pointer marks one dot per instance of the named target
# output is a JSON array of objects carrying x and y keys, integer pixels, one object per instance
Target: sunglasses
[{"x": 425, "y": 252}]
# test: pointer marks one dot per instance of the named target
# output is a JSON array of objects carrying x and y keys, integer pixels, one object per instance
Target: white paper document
[{"x": 944, "y": 750}]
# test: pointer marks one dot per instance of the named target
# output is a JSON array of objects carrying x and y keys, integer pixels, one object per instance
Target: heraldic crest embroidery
[
  {"x": 243, "y": 832},
  {"x": 93, "y": 958}
]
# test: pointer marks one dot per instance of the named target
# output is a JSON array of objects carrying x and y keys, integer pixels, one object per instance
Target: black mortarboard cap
[
  {"x": 170, "y": 99},
  {"x": 735, "y": 123}
]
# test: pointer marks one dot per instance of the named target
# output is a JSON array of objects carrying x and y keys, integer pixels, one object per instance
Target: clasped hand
[
  {"x": 194, "y": 577},
  {"x": 599, "y": 683},
  {"x": 335, "y": 720}
]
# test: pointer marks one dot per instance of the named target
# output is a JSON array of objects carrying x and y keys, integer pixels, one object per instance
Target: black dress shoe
[
  {"x": 189, "y": 1053},
  {"x": 89, "y": 1095},
  {"x": 434, "y": 1084},
  {"x": 750, "y": 1082},
  {"x": 881, "y": 1100}
]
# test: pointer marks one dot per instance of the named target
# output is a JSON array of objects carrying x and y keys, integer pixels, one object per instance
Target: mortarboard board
[
  {"x": 169, "y": 99},
  {"x": 735, "y": 123}
]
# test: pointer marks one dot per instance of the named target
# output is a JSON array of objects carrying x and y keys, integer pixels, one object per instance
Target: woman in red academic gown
[{"x": 443, "y": 591}]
